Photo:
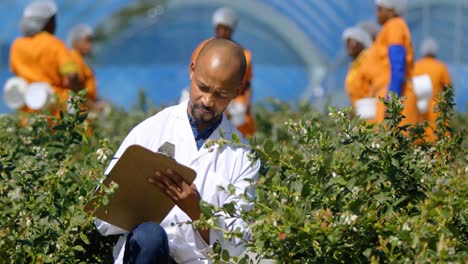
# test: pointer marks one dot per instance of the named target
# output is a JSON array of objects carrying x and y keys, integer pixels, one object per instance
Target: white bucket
[
  {"x": 14, "y": 91},
  {"x": 237, "y": 111},
  {"x": 423, "y": 89},
  {"x": 38, "y": 95},
  {"x": 366, "y": 108}
]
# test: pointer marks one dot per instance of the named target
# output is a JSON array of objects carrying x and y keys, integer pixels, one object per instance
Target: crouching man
[{"x": 216, "y": 77}]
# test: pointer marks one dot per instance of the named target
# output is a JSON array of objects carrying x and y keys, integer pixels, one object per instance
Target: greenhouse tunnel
[{"x": 296, "y": 46}]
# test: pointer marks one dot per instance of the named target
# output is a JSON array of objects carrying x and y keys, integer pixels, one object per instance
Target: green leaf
[
  {"x": 225, "y": 255},
  {"x": 268, "y": 146},
  {"x": 231, "y": 189},
  {"x": 206, "y": 209},
  {"x": 82, "y": 117},
  {"x": 60, "y": 127},
  {"x": 297, "y": 186},
  {"x": 395, "y": 163},
  {"x": 78, "y": 248},
  {"x": 84, "y": 238},
  {"x": 230, "y": 208},
  {"x": 235, "y": 138}
]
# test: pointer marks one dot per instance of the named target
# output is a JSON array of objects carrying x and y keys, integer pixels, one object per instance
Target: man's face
[
  {"x": 84, "y": 45},
  {"x": 223, "y": 31},
  {"x": 384, "y": 14},
  {"x": 212, "y": 89},
  {"x": 353, "y": 48},
  {"x": 51, "y": 25}
]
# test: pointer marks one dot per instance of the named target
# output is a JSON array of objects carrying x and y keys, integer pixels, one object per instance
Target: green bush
[
  {"x": 332, "y": 189},
  {"x": 351, "y": 192}
]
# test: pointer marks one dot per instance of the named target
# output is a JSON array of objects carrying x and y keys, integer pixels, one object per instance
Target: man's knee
[{"x": 149, "y": 234}]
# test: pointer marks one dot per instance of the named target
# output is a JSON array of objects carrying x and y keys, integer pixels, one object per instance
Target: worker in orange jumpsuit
[
  {"x": 80, "y": 41},
  {"x": 439, "y": 76},
  {"x": 39, "y": 56},
  {"x": 357, "y": 41},
  {"x": 225, "y": 21},
  {"x": 392, "y": 55}
]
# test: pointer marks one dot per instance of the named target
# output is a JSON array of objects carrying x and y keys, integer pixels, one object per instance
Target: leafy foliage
[
  {"x": 352, "y": 192},
  {"x": 332, "y": 190}
]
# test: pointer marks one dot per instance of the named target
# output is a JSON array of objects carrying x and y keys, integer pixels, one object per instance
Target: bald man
[{"x": 216, "y": 77}]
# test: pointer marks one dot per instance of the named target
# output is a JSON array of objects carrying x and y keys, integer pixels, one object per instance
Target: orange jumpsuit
[
  {"x": 248, "y": 128},
  {"x": 355, "y": 84},
  {"x": 440, "y": 77},
  {"x": 43, "y": 58},
  {"x": 394, "y": 32},
  {"x": 85, "y": 75}
]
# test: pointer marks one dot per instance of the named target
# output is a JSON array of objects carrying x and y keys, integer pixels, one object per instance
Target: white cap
[
  {"x": 398, "y": 5},
  {"x": 38, "y": 95},
  {"x": 13, "y": 92},
  {"x": 429, "y": 47},
  {"x": 225, "y": 16},
  {"x": 79, "y": 32},
  {"x": 370, "y": 27},
  {"x": 36, "y": 15},
  {"x": 358, "y": 34}
]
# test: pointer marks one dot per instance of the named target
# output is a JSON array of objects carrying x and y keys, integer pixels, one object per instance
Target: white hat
[
  {"x": 79, "y": 32},
  {"x": 370, "y": 27},
  {"x": 36, "y": 15},
  {"x": 225, "y": 16},
  {"x": 358, "y": 34},
  {"x": 398, "y": 5},
  {"x": 428, "y": 47}
]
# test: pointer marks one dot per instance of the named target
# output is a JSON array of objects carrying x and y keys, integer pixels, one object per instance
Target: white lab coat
[{"x": 220, "y": 167}]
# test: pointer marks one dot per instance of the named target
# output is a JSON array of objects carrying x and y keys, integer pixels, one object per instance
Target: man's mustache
[{"x": 205, "y": 108}]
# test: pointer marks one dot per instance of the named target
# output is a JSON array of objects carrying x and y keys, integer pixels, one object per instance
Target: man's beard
[{"x": 201, "y": 118}]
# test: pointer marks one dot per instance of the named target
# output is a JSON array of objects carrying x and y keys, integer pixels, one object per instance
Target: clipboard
[{"x": 136, "y": 201}]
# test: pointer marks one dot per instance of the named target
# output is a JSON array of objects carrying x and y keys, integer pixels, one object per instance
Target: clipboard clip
[{"x": 167, "y": 149}]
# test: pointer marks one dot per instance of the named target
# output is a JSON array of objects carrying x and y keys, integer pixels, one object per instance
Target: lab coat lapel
[{"x": 186, "y": 147}]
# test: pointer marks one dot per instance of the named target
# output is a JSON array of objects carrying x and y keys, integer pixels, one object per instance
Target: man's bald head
[
  {"x": 224, "y": 54},
  {"x": 216, "y": 77}
]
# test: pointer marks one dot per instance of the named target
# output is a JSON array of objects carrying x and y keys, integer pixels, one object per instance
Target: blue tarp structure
[{"x": 153, "y": 52}]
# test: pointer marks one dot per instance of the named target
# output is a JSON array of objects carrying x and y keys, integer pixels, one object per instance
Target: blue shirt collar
[{"x": 202, "y": 136}]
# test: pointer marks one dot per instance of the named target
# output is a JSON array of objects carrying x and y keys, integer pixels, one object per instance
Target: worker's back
[
  {"x": 436, "y": 70},
  {"x": 42, "y": 58},
  {"x": 394, "y": 32},
  {"x": 356, "y": 84},
  {"x": 440, "y": 77}
]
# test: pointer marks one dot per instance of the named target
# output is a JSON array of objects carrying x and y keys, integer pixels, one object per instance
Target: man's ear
[{"x": 192, "y": 69}]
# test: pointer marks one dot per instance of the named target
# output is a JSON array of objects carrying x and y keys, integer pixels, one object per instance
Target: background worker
[
  {"x": 225, "y": 22},
  {"x": 357, "y": 41},
  {"x": 39, "y": 56},
  {"x": 392, "y": 55},
  {"x": 439, "y": 75},
  {"x": 80, "y": 40}
]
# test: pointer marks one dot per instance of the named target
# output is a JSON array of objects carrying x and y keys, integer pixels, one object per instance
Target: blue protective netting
[{"x": 155, "y": 56}]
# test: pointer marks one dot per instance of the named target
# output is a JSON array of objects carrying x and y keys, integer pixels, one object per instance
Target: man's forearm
[{"x": 204, "y": 233}]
